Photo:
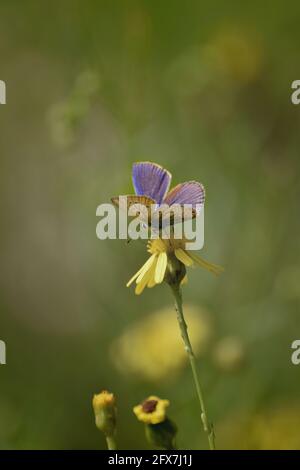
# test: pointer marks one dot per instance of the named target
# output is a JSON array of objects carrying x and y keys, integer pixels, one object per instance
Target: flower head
[
  {"x": 104, "y": 405},
  {"x": 169, "y": 258},
  {"x": 168, "y": 261},
  {"x": 152, "y": 410},
  {"x": 103, "y": 399},
  {"x": 160, "y": 430}
]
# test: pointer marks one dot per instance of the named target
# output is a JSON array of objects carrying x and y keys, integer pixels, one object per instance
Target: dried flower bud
[
  {"x": 160, "y": 430},
  {"x": 152, "y": 410}
]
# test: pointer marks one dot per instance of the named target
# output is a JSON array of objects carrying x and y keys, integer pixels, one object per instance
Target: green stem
[
  {"x": 208, "y": 428},
  {"x": 111, "y": 443}
]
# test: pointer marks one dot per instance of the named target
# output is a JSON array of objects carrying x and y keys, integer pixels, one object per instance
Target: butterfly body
[{"x": 153, "y": 204}]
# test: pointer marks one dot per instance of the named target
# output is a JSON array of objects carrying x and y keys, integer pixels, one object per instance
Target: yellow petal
[
  {"x": 145, "y": 266},
  {"x": 160, "y": 268},
  {"x": 183, "y": 257},
  {"x": 151, "y": 282},
  {"x": 143, "y": 282},
  {"x": 213, "y": 268},
  {"x": 133, "y": 278}
]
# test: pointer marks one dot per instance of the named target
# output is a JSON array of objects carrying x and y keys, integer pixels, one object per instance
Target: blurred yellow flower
[
  {"x": 152, "y": 347},
  {"x": 229, "y": 353},
  {"x": 152, "y": 410},
  {"x": 167, "y": 255},
  {"x": 274, "y": 429},
  {"x": 236, "y": 54}
]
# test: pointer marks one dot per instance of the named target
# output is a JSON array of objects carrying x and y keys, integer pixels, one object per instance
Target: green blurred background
[{"x": 203, "y": 88}]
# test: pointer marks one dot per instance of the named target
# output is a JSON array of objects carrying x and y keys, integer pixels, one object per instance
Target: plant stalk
[
  {"x": 111, "y": 443},
  {"x": 208, "y": 427}
]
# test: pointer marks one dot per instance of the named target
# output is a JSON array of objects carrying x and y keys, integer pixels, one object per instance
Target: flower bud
[
  {"x": 160, "y": 430},
  {"x": 104, "y": 405},
  {"x": 152, "y": 410}
]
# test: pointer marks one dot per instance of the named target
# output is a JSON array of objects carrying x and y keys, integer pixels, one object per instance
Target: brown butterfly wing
[{"x": 132, "y": 200}]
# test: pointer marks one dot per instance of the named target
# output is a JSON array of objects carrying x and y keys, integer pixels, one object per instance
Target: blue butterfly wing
[
  {"x": 150, "y": 179},
  {"x": 191, "y": 192}
]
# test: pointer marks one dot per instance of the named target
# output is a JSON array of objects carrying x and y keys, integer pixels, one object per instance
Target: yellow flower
[
  {"x": 165, "y": 253},
  {"x": 103, "y": 399},
  {"x": 137, "y": 352},
  {"x": 152, "y": 410}
]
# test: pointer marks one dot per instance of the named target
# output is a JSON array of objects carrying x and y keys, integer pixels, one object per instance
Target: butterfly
[{"x": 151, "y": 183}]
